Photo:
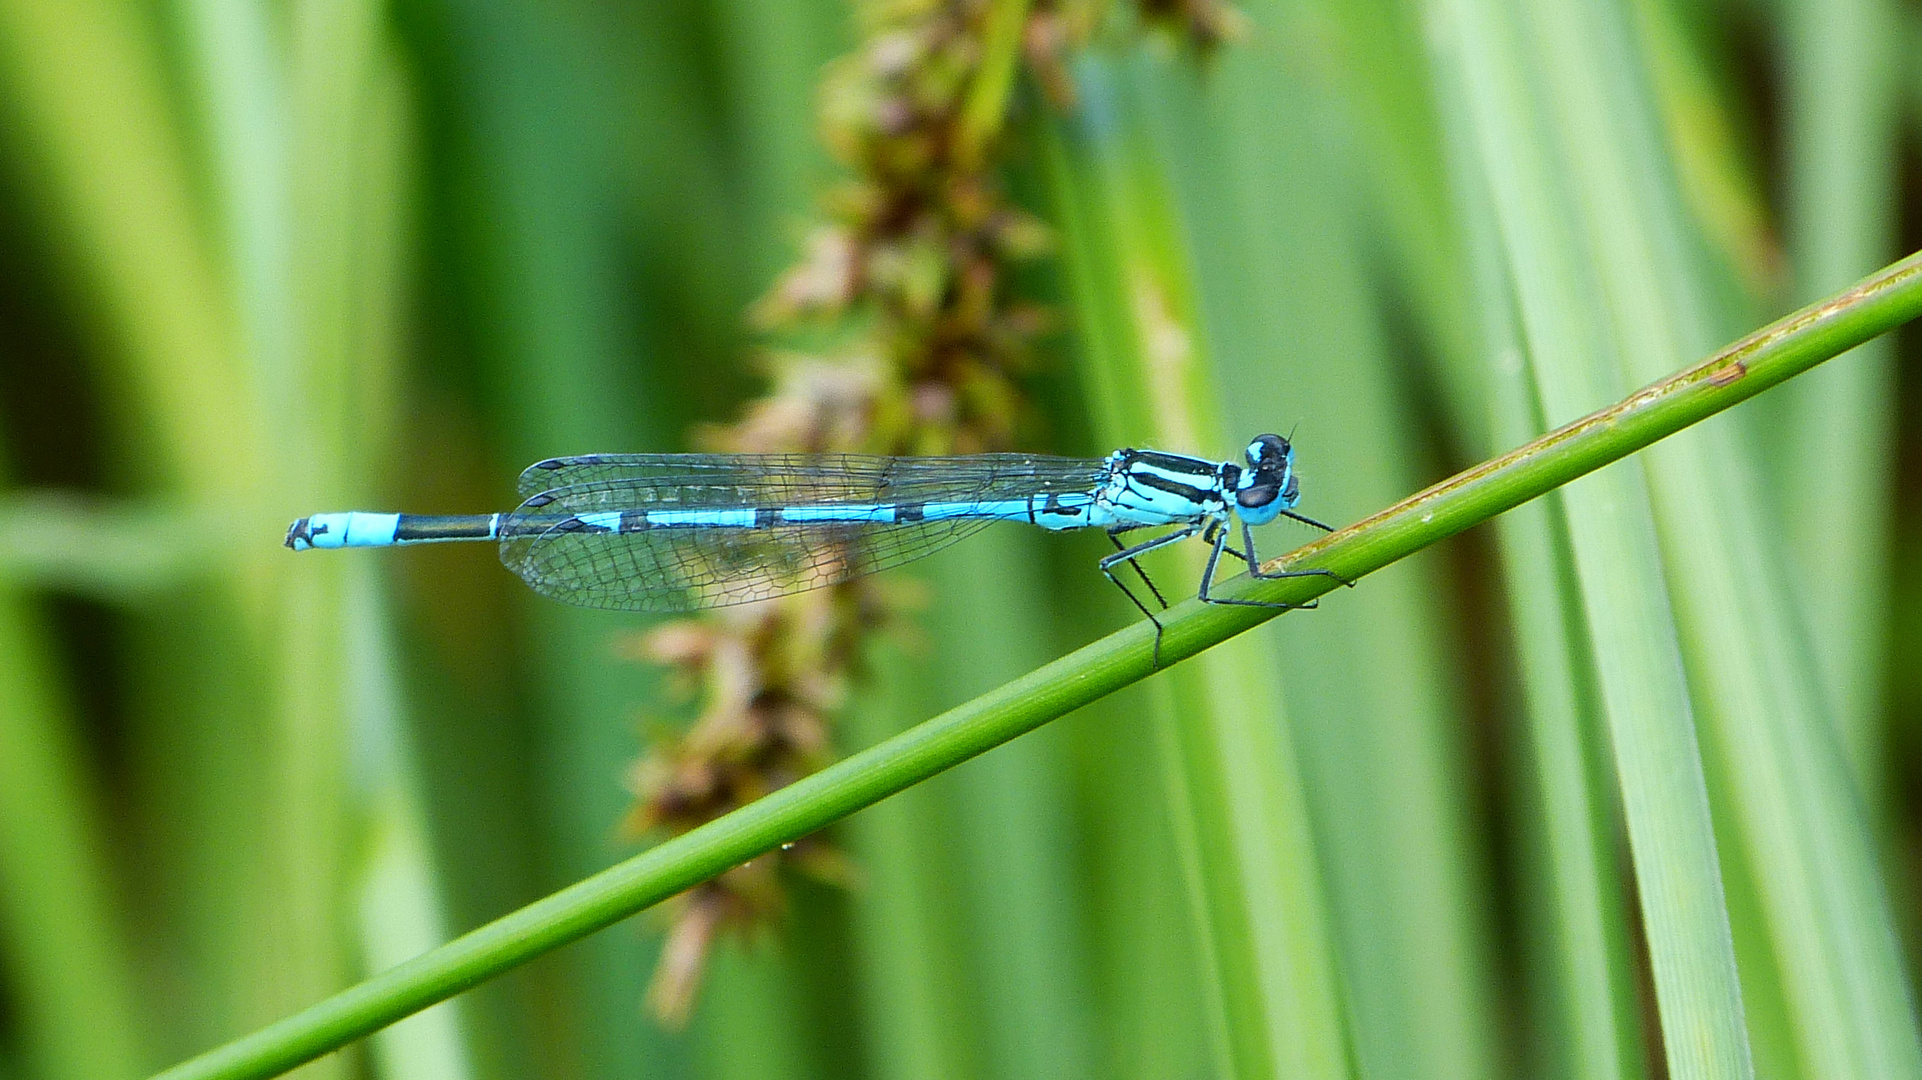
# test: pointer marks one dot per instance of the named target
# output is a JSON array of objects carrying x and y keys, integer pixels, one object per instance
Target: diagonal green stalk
[{"x": 1769, "y": 356}]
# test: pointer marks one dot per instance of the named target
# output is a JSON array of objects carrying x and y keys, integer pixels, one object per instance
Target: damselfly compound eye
[
  {"x": 1258, "y": 495},
  {"x": 1268, "y": 452}
]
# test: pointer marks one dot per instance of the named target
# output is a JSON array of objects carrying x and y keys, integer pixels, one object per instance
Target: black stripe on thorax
[
  {"x": 1173, "y": 463},
  {"x": 1197, "y": 495}
]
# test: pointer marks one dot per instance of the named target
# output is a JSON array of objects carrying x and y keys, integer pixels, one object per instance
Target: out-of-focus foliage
[{"x": 1630, "y": 779}]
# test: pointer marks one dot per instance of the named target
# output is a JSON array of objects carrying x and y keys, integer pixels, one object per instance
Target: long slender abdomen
[
  {"x": 1052, "y": 511},
  {"x": 359, "y": 529}
]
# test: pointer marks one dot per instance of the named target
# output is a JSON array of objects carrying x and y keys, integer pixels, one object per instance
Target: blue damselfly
[{"x": 676, "y": 532}]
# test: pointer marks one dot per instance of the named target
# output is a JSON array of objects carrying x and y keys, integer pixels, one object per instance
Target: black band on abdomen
[{"x": 422, "y": 528}]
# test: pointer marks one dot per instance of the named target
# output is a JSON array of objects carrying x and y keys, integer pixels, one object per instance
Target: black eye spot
[{"x": 1257, "y": 495}]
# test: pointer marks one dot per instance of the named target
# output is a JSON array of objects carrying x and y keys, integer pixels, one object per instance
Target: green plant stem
[
  {"x": 986, "y": 107},
  {"x": 1777, "y": 352}
]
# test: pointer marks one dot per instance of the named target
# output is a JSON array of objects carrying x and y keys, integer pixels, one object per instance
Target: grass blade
[
  {"x": 108, "y": 171},
  {"x": 108, "y": 552},
  {"x": 1796, "y": 808},
  {"x": 1842, "y": 92},
  {"x": 64, "y": 948},
  {"x": 1644, "y": 300},
  {"x": 1584, "y": 992},
  {"x": 1527, "y": 87},
  {"x": 398, "y": 908}
]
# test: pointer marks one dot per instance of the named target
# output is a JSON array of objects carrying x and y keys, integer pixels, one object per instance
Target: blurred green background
[{"x": 264, "y": 259}]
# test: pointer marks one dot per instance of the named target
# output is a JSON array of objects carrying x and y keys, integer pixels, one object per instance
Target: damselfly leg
[
  {"x": 1254, "y": 563},
  {"x": 1114, "y": 537},
  {"x": 1128, "y": 555},
  {"x": 1254, "y": 570}
]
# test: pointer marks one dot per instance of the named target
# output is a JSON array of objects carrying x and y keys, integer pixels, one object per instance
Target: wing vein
[{"x": 679, "y": 569}]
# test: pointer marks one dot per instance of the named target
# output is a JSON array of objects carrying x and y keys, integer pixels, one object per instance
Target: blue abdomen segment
[
  {"x": 362, "y": 529},
  {"x": 353, "y": 529},
  {"x": 1053, "y": 511},
  {"x": 358, "y": 528}
]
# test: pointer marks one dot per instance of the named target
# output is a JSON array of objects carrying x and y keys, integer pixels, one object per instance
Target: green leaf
[
  {"x": 62, "y": 936},
  {"x": 1584, "y": 992},
  {"x": 1598, "y": 252},
  {"x": 1841, "y": 63},
  {"x": 1534, "y": 148},
  {"x": 70, "y": 964}
]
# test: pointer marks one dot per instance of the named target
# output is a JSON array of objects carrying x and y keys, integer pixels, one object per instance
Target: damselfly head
[
  {"x": 1267, "y": 486},
  {"x": 1270, "y": 452}
]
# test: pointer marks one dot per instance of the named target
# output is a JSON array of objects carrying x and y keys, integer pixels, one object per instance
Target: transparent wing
[
  {"x": 722, "y": 481},
  {"x": 696, "y": 471},
  {"x": 680, "y": 569}
]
